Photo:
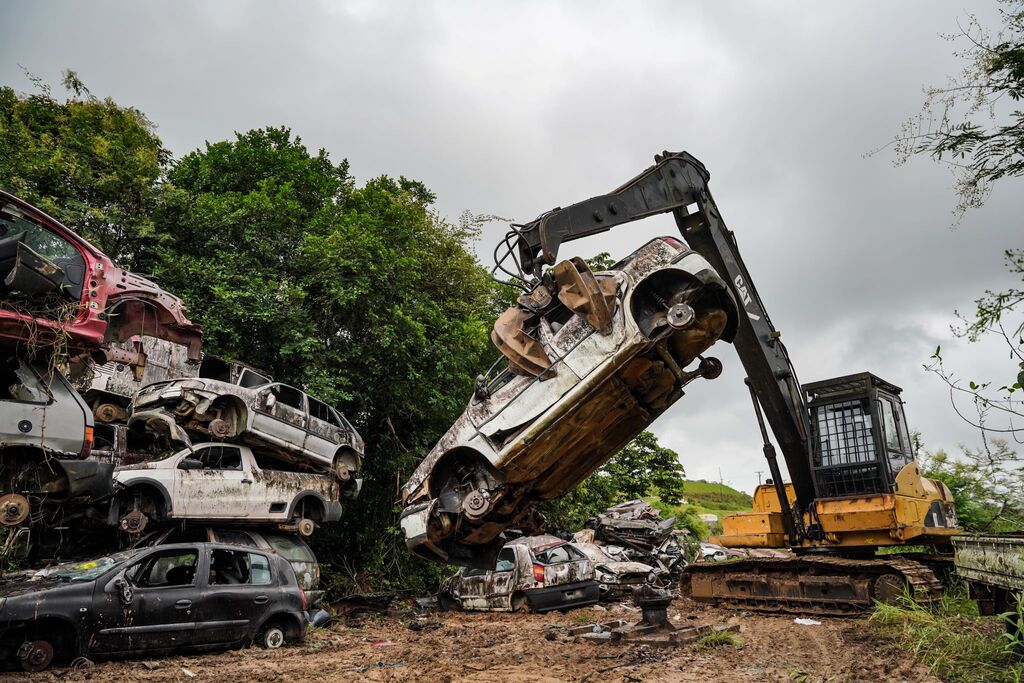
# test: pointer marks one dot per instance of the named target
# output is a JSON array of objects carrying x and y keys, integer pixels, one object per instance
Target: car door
[
  {"x": 501, "y": 580},
  {"x": 280, "y": 416},
  {"x": 324, "y": 434},
  {"x": 238, "y": 587},
  {"x": 473, "y": 588},
  {"x": 158, "y": 596},
  {"x": 221, "y": 489}
]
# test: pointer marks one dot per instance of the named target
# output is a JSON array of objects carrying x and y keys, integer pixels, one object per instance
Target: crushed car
[
  {"x": 233, "y": 401},
  {"x": 617, "y": 579},
  {"x": 216, "y": 481},
  {"x": 55, "y": 287},
  {"x": 590, "y": 360},
  {"x": 531, "y": 574},
  {"x": 168, "y": 599},
  {"x": 636, "y": 530}
]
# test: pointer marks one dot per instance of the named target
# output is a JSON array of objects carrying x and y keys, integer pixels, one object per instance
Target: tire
[
  {"x": 271, "y": 636},
  {"x": 520, "y": 605},
  {"x": 447, "y": 603}
]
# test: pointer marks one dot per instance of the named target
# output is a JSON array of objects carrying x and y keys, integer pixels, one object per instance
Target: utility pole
[{"x": 759, "y": 473}]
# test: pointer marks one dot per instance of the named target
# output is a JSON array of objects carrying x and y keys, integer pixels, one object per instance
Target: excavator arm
[{"x": 678, "y": 183}]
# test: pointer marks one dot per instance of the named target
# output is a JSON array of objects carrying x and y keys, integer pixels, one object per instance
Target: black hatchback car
[{"x": 185, "y": 596}]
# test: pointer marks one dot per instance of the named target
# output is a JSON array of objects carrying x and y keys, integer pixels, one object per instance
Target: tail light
[
  {"x": 538, "y": 573},
  {"x": 673, "y": 242},
  {"x": 303, "y": 594},
  {"x": 87, "y": 443}
]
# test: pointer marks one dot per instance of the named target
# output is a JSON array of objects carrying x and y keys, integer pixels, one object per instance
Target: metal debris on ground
[{"x": 653, "y": 629}]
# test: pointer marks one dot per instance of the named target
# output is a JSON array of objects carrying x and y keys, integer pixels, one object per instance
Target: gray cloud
[{"x": 513, "y": 109}]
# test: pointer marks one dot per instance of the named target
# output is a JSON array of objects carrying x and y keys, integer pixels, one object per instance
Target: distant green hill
[{"x": 703, "y": 497}]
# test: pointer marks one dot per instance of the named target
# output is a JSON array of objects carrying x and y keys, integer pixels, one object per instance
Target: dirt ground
[{"x": 513, "y": 647}]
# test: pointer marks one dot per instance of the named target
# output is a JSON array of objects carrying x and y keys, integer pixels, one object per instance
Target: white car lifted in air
[{"x": 218, "y": 482}]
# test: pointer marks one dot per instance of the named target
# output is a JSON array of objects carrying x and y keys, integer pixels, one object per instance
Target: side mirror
[
  {"x": 124, "y": 591},
  {"x": 190, "y": 464}
]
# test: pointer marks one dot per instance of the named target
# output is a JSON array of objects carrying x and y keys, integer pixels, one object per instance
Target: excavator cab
[{"x": 859, "y": 435}]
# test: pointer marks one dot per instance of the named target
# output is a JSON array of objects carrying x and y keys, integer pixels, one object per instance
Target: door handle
[
  {"x": 183, "y": 604},
  {"x": 261, "y": 600},
  {"x": 247, "y": 481}
]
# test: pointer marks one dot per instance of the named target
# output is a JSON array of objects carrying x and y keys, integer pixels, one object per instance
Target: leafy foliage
[
  {"x": 92, "y": 164},
  {"x": 643, "y": 468},
  {"x": 973, "y": 123},
  {"x": 987, "y": 485}
]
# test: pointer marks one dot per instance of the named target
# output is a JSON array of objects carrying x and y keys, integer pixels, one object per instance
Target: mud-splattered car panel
[
  {"x": 270, "y": 416},
  {"x": 592, "y": 360},
  {"x": 536, "y": 573}
]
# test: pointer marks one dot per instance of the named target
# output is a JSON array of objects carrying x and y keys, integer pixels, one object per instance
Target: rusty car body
[
  {"x": 616, "y": 579},
  {"x": 54, "y": 285},
  {"x": 533, "y": 573},
  {"x": 186, "y": 596},
  {"x": 591, "y": 360},
  {"x": 234, "y": 401},
  {"x": 215, "y": 481}
]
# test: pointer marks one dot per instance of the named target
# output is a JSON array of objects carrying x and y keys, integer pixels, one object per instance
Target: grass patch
[
  {"x": 951, "y": 639},
  {"x": 719, "y": 639}
]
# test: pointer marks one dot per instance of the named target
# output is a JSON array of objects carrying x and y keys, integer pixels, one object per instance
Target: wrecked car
[
  {"x": 56, "y": 288},
  {"x": 218, "y": 481},
  {"x": 533, "y": 573},
  {"x": 234, "y": 401},
  {"x": 635, "y": 523},
  {"x": 590, "y": 360},
  {"x": 194, "y": 596},
  {"x": 616, "y": 579},
  {"x": 46, "y": 436}
]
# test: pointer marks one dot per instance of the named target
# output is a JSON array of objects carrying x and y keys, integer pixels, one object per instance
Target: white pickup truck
[{"x": 218, "y": 482}]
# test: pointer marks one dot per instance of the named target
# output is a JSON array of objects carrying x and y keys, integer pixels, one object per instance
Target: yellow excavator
[{"x": 855, "y": 487}]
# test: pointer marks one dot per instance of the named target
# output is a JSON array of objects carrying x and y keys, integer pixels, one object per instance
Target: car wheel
[
  {"x": 520, "y": 605},
  {"x": 271, "y": 637},
  {"x": 35, "y": 655},
  {"x": 447, "y": 603}
]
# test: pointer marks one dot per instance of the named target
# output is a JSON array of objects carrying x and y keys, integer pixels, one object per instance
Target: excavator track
[{"x": 829, "y": 586}]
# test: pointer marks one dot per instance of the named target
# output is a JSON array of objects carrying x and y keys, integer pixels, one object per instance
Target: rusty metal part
[
  {"x": 475, "y": 504},
  {"x": 306, "y": 527},
  {"x": 680, "y": 316},
  {"x": 591, "y": 297},
  {"x": 35, "y": 655},
  {"x": 834, "y": 586},
  {"x": 526, "y": 355},
  {"x": 689, "y": 343},
  {"x": 134, "y": 522},
  {"x": 219, "y": 429},
  {"x": 109, "y": 412},
  {"x": 14, "y": 509}
]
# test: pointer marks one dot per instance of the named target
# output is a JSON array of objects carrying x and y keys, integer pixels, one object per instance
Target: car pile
[{"x": 119, "y": 436}]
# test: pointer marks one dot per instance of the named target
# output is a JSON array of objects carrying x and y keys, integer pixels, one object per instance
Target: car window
[
  {"x": 51, "y": 246},
  {"x": 560, "y": 553},
  {"x": 86, "y": 571},
  {"x": 506, "y": 560},
  {"x": 235, "y": 538},
  {"x": 20, "y": 382},
  {"x": 319, "y": 410},
  {"x": 251, "y": 380},
  {"x": 290, "y": 549},
  {"x": 288, "y": 396},
  {"x": 238, "y": 567},
  {"x": 165, "y": 570},
  {"x": 219, "y": 458},
  {"x": 473, "y": 571}
]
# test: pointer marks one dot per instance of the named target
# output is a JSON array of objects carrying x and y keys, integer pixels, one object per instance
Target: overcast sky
[{"x": 515, "y": 108}]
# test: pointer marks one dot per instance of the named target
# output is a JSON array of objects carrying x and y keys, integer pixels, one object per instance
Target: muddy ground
[{"x": 532, "y": 647}]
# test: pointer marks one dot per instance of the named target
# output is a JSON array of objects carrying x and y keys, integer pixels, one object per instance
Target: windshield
[{"x": 86, "y": 571}]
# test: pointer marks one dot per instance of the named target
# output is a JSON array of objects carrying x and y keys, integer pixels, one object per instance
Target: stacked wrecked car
[
  {"x": 590, "y": 359},
  {"x": 118, "y": 435}
]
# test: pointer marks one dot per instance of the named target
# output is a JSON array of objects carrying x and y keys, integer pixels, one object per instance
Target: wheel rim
[
  {"x": 36, "y": 655},
  {"x": 274, "y": 638}
]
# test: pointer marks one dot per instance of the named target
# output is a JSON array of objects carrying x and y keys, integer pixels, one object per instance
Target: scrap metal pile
[{"x": 116, "y": 431}]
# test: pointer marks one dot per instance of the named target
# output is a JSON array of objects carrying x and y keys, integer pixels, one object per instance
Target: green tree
[
  {"x": 92, "y": 164},
  {"x": 973, "y": 123},
  {"x": 643, "y": 468}
]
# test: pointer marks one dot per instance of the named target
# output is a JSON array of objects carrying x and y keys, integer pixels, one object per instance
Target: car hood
[
  {"x": 24, "y": 586},
  {"x": 621, "y": 568}
]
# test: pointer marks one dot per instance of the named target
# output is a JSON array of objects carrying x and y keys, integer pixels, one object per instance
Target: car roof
[{"x": 540, "y": 542}]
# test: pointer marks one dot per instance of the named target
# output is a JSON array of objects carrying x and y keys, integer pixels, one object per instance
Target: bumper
[
  {"x": 333, "y": 511},
  {"x": 414, "y": 521},
  {"x": 564, "y": 596},
  {"x": 88, "y": 477}
]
